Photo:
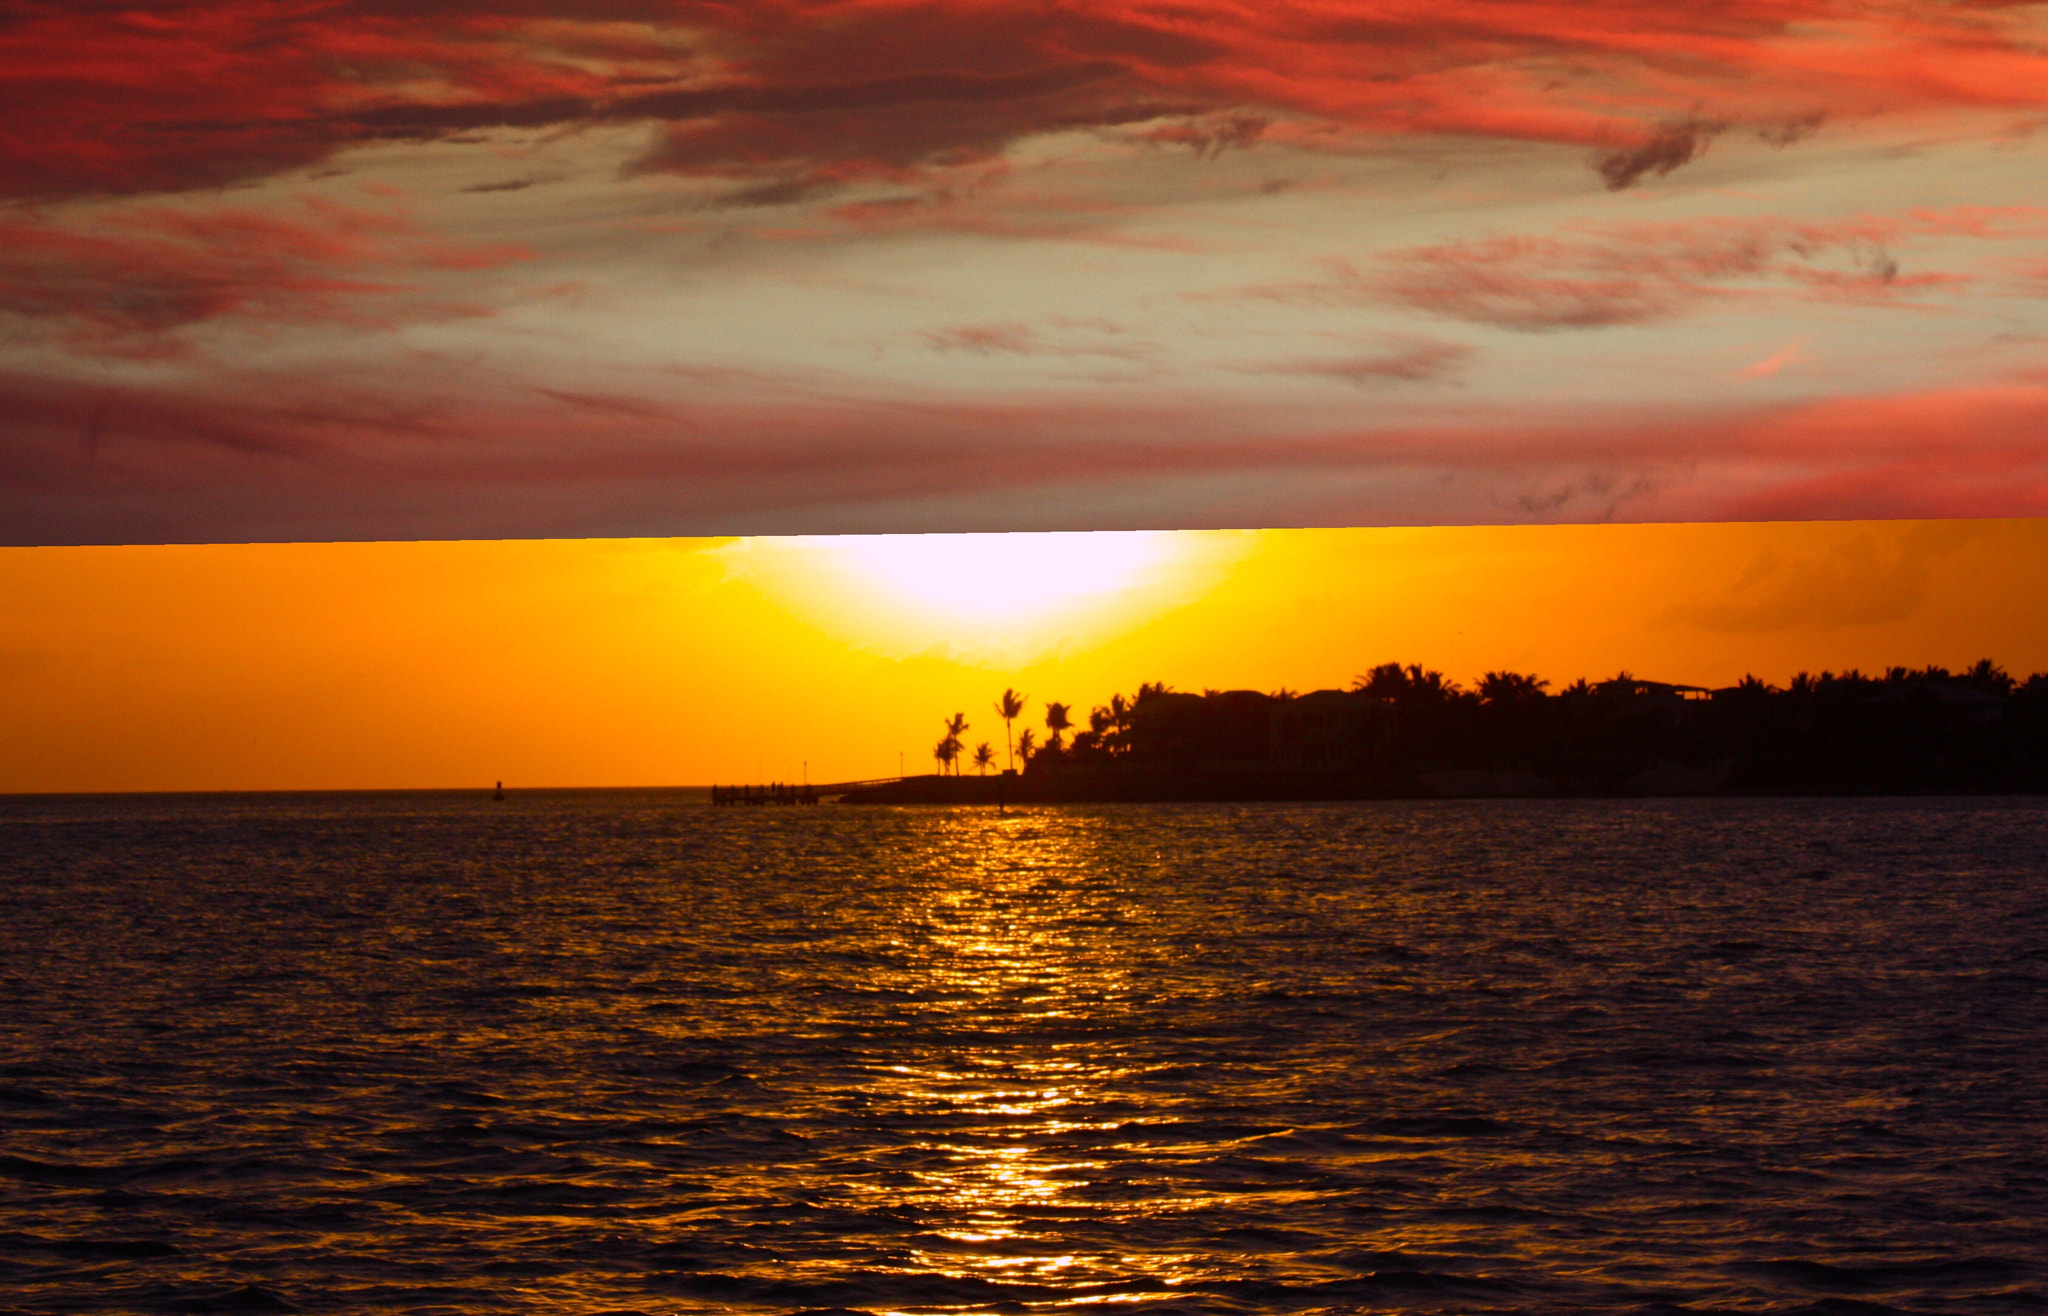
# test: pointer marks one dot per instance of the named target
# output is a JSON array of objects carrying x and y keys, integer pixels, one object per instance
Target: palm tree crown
[
  {"x": 1509, "y": 687},
  {"x": 1058, "y": 720}
]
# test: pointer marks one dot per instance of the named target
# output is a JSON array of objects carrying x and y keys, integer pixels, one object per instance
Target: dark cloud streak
[
  {"x": 1401, "y": 363},
  {"x": 1676, "y": 145}
]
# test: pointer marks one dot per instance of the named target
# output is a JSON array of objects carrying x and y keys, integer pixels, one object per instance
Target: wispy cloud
[
  {"x": 1059, "y": 337},
  {"x": 1412, "y": 361},
  {"x": 1590, "y": 276},
  {"x": 128, "y": 285}
]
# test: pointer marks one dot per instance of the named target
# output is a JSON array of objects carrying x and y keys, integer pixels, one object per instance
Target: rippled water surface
[{"x": 612, "y": 1052}]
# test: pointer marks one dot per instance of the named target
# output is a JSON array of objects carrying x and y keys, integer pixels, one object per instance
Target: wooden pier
[
  {"x": 736, "y": 797},
  {"x": 750, "y": 796}
]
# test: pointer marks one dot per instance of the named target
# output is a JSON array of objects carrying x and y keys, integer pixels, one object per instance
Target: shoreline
[{"x": 1311, "y": 787}]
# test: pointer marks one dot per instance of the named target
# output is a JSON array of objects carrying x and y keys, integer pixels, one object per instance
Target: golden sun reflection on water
[
  {"x": 1014, "y": 953},
  {"x": 1065, "y": 1103}
]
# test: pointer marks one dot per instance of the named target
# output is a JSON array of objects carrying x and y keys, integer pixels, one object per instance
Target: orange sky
[{"x": 615, "y": 662}]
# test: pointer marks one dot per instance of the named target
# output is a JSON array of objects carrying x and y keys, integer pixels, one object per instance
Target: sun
[
  {"x": 1007, "y": 594},
  {"x": 990, "y": 577}
]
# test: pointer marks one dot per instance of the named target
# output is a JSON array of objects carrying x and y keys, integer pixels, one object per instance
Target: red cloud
[
  {"x": 1956, "y": 453},
  {"x": 118, "y": 99},
  {"x": 101, "y": 97},
  {"x": 125, "y": 286}
]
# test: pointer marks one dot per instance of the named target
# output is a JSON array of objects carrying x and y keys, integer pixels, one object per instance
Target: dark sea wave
[{"x": 617, "y": 1052}]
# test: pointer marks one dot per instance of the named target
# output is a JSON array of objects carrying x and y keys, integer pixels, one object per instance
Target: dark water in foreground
[{"x": 613, "y": 1052}]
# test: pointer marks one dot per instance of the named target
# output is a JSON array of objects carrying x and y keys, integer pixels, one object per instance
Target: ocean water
[{"x": 617, "y": 1052}]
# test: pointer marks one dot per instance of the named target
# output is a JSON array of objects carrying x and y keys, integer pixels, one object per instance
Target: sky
[
  {"x": 320, "y": 270},
  {"x": 688, "y": 661}
]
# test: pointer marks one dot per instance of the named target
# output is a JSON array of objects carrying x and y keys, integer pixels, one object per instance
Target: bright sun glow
[
  {"x": 998, "y": 576},
  {"x": 994, "y": 599}
]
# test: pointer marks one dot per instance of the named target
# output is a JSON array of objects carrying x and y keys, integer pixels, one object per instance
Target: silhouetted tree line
[{"x": 1908, "y": 730}]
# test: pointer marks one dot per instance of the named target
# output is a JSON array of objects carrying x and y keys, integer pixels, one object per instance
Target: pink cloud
[{"x": 1776, "y": 361}]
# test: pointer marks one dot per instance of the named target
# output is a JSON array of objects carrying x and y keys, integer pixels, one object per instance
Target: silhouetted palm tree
[
  {"x": 1111, "y": 723},
  {"x": 1027, "y": 743},
  {"x": 955, "y": 725},
  {"x": 1509, "y": 687},
  {"x": 1387, "y": 681},
  {"x": 1123, "y": 710},
  {"x": 983, "y": 756},
  {"x": 1429, "y": 683},
  {"x": 1393, "y": 681},
  {"x": 1988, "y": 677},
  {"x": 1009, "y": 708},
  {"x": 1058, "y": 722}
]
